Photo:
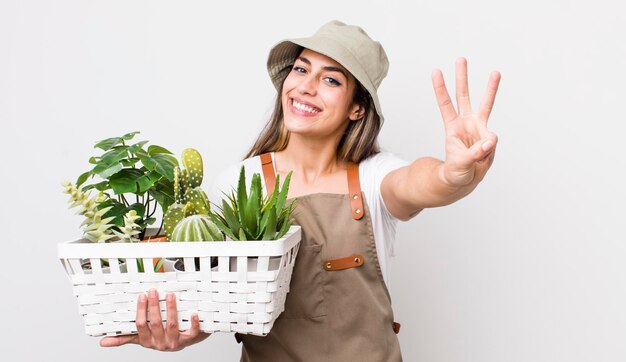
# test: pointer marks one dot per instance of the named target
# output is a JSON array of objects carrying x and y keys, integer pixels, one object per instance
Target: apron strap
[
  {"x": 354, "y": 189},
  {"x": 354, "y": 184},
  {"x": 268, "y": 172}
]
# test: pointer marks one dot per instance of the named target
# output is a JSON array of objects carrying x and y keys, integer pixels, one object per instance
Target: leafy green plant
[
  {"x": 251, "y": 216},
  {"x": 130, "y": 177}
]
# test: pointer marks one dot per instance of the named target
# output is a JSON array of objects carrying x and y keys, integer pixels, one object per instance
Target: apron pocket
[{"x": 306, "y": 293}]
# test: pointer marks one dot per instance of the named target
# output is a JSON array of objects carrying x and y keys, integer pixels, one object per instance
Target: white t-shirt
[{"x": 371, "y": 173}]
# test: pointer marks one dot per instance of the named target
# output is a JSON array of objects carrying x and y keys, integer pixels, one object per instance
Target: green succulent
[
  {"x": 189, "y": 198},
  {"x": 254, "y": 217}
]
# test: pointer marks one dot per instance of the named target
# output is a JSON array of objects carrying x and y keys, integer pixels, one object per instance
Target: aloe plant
[{"x": 254, "y": 217}]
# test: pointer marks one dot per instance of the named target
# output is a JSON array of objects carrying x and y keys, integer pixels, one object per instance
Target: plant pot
[
  {"x": 106, "y": 269},
  {"x": 155, "y": 261},
  {"x": 179, "y": 264}
]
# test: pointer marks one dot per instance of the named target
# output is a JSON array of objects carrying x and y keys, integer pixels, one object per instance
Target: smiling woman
[{"x": 350, "y": 197}]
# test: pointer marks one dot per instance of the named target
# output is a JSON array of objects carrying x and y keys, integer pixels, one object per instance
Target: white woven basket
[{"x": 244, "y": 293}]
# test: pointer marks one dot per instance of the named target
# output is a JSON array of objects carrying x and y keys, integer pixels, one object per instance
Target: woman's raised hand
[
  {"x": 470, "y": 146},
  {"x": 151, "y": 334}
]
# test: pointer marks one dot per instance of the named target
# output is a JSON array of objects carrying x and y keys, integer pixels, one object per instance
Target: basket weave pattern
[{"x": 244, "y": 293}]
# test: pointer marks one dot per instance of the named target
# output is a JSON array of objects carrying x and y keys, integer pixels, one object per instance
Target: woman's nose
[{"x": 308, "y": 85}]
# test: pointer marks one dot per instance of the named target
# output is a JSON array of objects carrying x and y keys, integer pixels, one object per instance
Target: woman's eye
[
  {"x": 333, "y": 81},
  {"x": 299, "y": 69}
]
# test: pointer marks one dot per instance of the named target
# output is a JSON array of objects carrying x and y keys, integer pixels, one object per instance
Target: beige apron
[{"x": 338, "y": 307}]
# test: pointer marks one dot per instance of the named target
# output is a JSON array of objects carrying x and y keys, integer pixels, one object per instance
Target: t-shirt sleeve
[{"x": 372, "y": 172}]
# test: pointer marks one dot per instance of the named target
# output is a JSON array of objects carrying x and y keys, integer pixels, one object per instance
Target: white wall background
[{"x": 530, "y": 267}]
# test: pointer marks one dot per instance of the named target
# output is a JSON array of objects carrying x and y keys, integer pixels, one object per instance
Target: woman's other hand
[
  {"x": 470, "y": 146},
  {"x": 151, "y": 334}
]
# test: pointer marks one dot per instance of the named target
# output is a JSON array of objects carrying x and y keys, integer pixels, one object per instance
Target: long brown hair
[{"x": 359, "y": 141}]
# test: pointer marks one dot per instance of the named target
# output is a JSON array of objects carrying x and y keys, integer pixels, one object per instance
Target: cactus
[
  {"x": 189, "y": 198},
  {"x": 172, "y": 217},
  {"x": 196, "y": 228},
  {"x": 193, "y": 164}
]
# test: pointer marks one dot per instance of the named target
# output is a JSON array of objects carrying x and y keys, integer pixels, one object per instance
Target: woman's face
[{"x": 317, "y": 96}]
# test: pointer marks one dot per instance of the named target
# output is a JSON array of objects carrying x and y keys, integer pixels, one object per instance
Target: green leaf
[
  {"x": 129, "y": 162},
  {"x": 108, "y": 143},
  {"x": 220, "y": 224},
  {"x": 130, "y": 135},
  {"x": 148, "y": 163},
  {"x": 230, "y": 217},
  {"x": 145, "y": 223},
  {"x": 286, "y": 222},
  {"x": 253, "y": 207},
  {"x": 137, "y": 147},
  {"x": 82, "y": 178},
  {"x": 116, "y": 211},
  {"x": 270, "y": 228},
  {"x": 158, "y": 265},
  {"x": 164, "y": 165},
  {"x": 242, "y": 197},
  {"x": 144, "y": 183},
  {"x": 154, "y": 176},
  {"x": 154, "y": 149},
  {"x": 163, "y": 192},
  {"x": 282, "y": 197},
  {"x": 105, "y": 171},
  {"x": 242, "y": 235},
  {"x": 93, "y": 160},
  {"x": 114, "y": 155},
  {"x": 125, "y": 181},
  {"x": 100, "y": 186}
]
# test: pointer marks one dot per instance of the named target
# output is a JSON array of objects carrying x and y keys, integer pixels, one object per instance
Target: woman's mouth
[{"x": 303, "y": 109}]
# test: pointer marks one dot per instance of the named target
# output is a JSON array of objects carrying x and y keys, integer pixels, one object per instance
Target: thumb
[
  {"x": 483, "y": 148},
  {"x": 118, "y": 340}
]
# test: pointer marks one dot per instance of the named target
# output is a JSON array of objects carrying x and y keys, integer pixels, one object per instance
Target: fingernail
[
  {"x": 487, "y": 145},
  {"x": 153, "y": 293},
  {"x": 170, "y": 296},
  {"x": 142, "y": 298}
]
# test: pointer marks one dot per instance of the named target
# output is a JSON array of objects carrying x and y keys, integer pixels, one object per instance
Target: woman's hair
[{"x": 358, "y": 142}]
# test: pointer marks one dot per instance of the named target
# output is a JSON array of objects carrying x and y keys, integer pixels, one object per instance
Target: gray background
[{"x": 530, "y": 267}]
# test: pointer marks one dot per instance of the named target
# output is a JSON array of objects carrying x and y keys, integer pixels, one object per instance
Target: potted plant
[
  {"x": 254, "y": 217},
  {"x": 131, "y": 183},
  {"x": 244, "y": 216},
  {"x": 188, "y": 218}
]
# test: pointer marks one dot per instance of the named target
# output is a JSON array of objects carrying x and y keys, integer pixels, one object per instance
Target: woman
[{"x": 350, "y": 196}]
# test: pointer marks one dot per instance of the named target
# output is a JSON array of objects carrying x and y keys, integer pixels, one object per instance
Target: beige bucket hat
[{"x": 348, "y": 45}]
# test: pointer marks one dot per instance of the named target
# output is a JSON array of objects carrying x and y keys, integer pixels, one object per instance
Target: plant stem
[
  {"x": 154, "y": 209},
  {"x": 147, "y": 205},
  {"x": 160, "y": 227},
  {"x": 124, "y": 199}
]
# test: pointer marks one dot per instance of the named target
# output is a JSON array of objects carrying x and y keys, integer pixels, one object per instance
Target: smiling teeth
[{"x": 303, "y": 107}]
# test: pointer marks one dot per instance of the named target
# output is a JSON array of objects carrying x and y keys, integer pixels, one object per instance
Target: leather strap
[
  {"x": 396, "y": 327},
  {"x": 354, "y": 189},
  {"x": 351, "y": 261},
  {"x": 268, "y": 172}
]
